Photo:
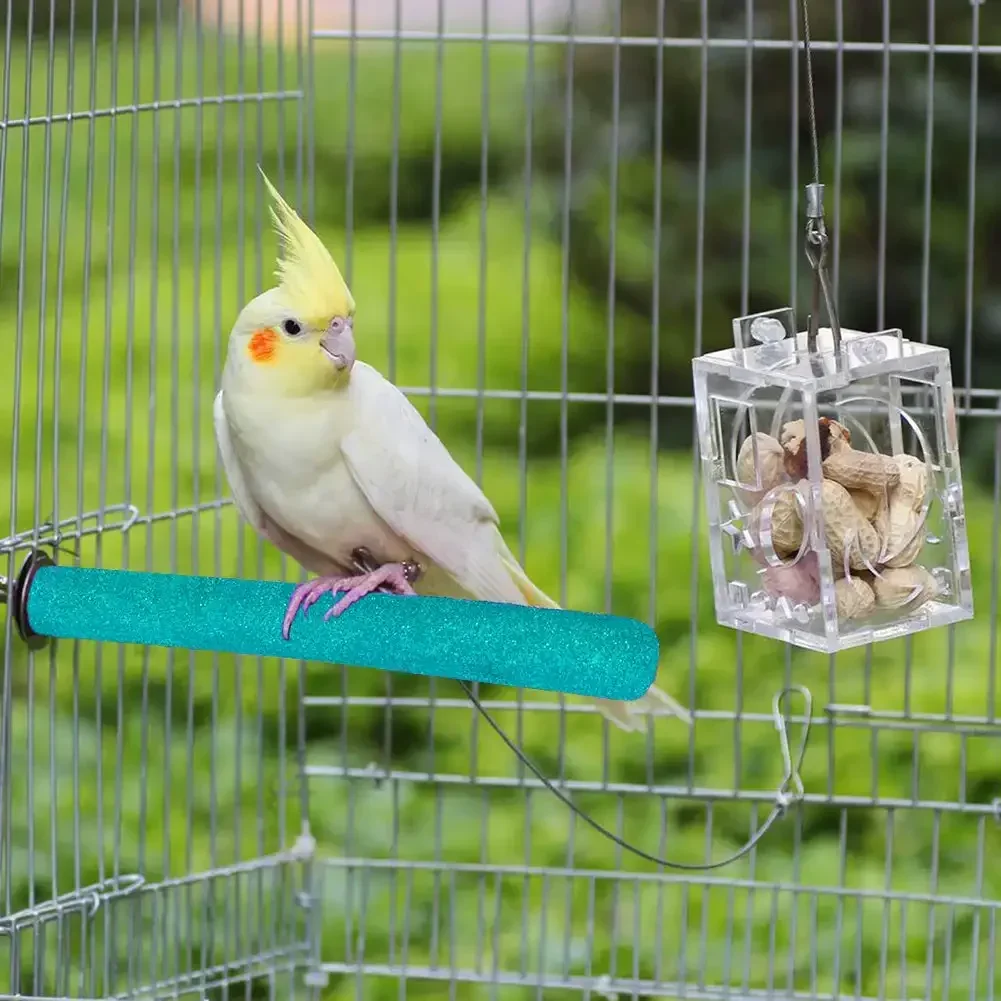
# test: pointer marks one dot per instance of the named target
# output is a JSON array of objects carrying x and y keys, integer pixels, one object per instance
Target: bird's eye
[{"x": 291, "y": 328}]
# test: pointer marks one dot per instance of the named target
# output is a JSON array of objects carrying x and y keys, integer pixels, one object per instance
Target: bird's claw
[
  {"x": 391, "y": 577},
  {"x": 394, "y": 578},
  {"x": 303, "y": 597},
  {"x": 366, "y": 563}
]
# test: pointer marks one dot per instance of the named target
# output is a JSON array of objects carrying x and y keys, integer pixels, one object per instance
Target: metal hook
[
  {"x": 792, "y": 777},
  {"x": 58, "y": 545},
  {"x": 817, "y": 244},
  {"x": 87, "y": 900},
  {"x": 32, "y": 538}
]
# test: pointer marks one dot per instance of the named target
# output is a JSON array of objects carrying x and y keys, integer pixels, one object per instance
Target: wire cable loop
[{"x": 789, "y": 793}]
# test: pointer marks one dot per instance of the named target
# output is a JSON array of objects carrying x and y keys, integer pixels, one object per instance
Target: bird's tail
[{"x": 625, "y": 715}]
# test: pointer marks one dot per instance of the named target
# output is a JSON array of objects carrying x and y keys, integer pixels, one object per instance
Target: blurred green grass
[{"x": 126, "y": 287}]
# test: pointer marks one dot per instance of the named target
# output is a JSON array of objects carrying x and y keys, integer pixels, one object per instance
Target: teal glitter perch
[{"x": 578, "y": 653}]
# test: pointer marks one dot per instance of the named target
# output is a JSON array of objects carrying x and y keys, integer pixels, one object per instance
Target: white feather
[
  {"x": 242, "y": 496},
  {"x": 252, "y": 512}
]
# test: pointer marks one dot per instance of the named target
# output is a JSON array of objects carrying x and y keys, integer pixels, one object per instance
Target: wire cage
[{"x": 544, "y": 211}]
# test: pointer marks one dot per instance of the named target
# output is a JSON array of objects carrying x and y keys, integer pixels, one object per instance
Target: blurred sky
[{"x": 415, "y": 15}]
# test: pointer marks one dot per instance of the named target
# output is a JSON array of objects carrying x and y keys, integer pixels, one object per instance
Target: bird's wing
[
  {"x": 413, "y": 483},
  {"x": 253, "y": 513},
  {"x": 421, "y": 492},
  {"x": 244, "y": 499}
]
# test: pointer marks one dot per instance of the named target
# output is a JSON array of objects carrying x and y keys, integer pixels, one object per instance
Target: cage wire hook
[
  {"x": 87, "y": 900},
  {"x": 12, "y": 544},
  {"x": 33, "y": 537},
  {"x": 788, "y": 793}
]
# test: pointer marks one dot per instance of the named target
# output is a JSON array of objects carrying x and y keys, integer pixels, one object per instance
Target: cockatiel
[{"x": 326, "y": 458}]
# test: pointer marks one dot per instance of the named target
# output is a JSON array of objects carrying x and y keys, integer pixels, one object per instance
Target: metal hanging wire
[
  {"x": 789, "y": 792},
  {"x": 817, "y": 240}
]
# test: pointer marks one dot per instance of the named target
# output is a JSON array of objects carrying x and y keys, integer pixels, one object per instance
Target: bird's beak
[{"x": 339, "y": 346}]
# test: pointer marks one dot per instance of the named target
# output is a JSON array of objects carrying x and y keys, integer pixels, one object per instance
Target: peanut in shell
[
  {"x": 786, "y": 522},
  {"x": 855, "y": 598},
  {"x": 904, "y": 539},
  {"x": 769, "y": 471},
  {"x": 846, "y": 528},
  {"x": 867, "y": 503},
  {"x": 857, "y": 470},
  {"x": 913, "y": 483},
  {"x": 903, "y": 587}
]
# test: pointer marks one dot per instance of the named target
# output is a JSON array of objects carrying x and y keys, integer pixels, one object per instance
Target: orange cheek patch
[{"x": 263, "y": 346}]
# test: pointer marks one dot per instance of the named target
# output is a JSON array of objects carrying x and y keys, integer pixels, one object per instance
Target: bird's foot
[
  {"x": 395, "y": 578},
  {"x": 391, "y": 577}
]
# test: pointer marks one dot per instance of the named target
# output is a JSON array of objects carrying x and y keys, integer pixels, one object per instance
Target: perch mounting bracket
[{"x": 15, "y": 594}]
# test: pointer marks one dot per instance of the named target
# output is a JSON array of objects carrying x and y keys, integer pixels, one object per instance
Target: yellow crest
[{"x": 306, "y": 271}]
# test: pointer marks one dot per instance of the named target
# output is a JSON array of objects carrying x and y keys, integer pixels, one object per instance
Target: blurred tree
[
  {"x": 60, "y": 15},
  {"x": 881, "y": 261}
]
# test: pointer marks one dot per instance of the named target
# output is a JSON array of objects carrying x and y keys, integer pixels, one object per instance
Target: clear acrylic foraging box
[{"x": 832, "y": 484}]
